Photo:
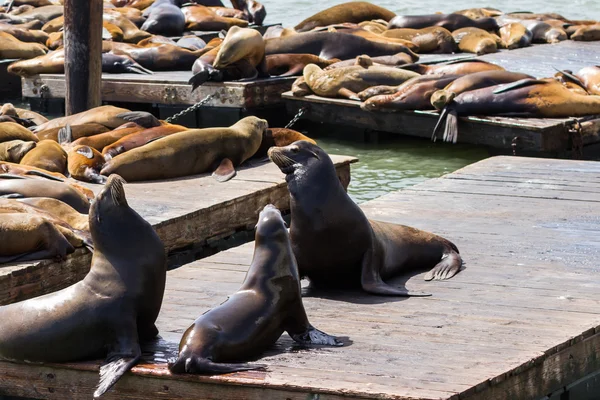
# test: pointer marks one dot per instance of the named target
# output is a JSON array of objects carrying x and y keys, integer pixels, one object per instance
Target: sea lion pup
[
  {"x": 107, "y": 313},
  {"x": 83, "y": 162},
  {"x": 451, "y": 22},
  {"x": 475, "y": 40},
  {"x": 14, "y": 150},
  {"x": 515, "y": 35},
  {"x": 414, "y": 95},
  {"x": 47, "y": 155},
  {"x": 354, "y": 12},
  {"x": 433, "y": 39},
  {"x": 330, "y": 45},
  {"x": 334, "y": 242},
  {"x": 474, "y": 81},
  {"x": 293, "y": 64},
  {"x": 525, "y": 98},
  {"x": 347, "y": 81},
  {"x": 252, "y": 319},
  {"x": 16, "y": 187},
  {"x": 191, "y": 152},
  {"x": 458, "y": 67}
]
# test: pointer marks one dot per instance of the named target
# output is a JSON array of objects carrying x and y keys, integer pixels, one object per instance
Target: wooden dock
[
  {"x": 188, "y": 214},
  {"x": 521, "y": 321}
]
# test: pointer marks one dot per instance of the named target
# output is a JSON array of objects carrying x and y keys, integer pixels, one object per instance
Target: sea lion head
[
  {"x": 298, "y": 158},
  {"x": 16, "y": 149},
  {"x": 270, "y": 224},
  {"x": 111, "y": 197},
  {"x": 441, "y": 98},
  {"x": 238, "y": 43}
]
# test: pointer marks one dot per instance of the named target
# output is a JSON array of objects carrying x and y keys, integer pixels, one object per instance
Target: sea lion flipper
[
  {"x": 44, "y": 175},
  {"x": 198, "y": 365},
  {"x": 141, "y": 118},
  {"x": 65, "y": 135},
  {"x": 449, "y": 266},
  {"x": 451, "y": 129},
  {"x": 518, "y": 84},
  {"x": 349, "y": 94},
  {"x": 225, "y": 171},
  {"x": 93, "y": 176},
  {"x": 112, "y": 371},
  {"x": 313, "y": 336}
]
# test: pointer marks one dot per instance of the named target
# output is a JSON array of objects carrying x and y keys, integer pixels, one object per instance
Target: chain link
[
  {"x": 190, "y": 109},
  {"x": 298, "y": 115}
]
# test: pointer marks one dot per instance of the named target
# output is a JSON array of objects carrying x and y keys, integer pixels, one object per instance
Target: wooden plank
[
  {"x": 185, "y": 212},
  {"x": 519, "y": 322}
]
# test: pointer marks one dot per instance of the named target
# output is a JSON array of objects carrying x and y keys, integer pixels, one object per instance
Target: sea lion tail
[{"x": 197, "y": 365}]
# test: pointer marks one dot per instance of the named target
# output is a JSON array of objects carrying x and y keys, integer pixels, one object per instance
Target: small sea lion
[
  {"x": 120, "y": 63},
  {"x": 15, "y": 186},
  {"x": 337, "y": 246},
  {"x": 459, "y": 67},
  {"x": 251, "y": 320},
  {"x": 355, "y": 12},
  {"x": 191, "y": 152},
  {"x": 253, "y": 11},
  {"x": 102, "y": 140},
  {"x": 451, "y": 22},
  {"x": 414, "y": 94},
  {"x": 433, "y": 39},
  {"x": 330, "y": 45},
  {"x": 131, "y": 33},
  {"x": 109, "y": 116},
  {"x": 473, "y": 81},
  {"x": 347, "y": 81},
  {"x": 107, "y": 313},
  {"x": 165, "y": 19},
  {"x": 590, "y": 78},
  {"x": 25, "y": 237},
  {"x": 243, "y": 46},
  {"x": 14, "y": 150},
  {"x": 51, "y": 63},
  {"x": 586, "y": 33},
  {"x": 191, "y": 42},
  {"x": 78, "y": 131},
  {"x": 11, "y": 47},
  {"x": 543, "y": 32},
  {"x": 475, "y": 40},
  {"x": 140, "y": 138},
  {"x": 25, "y": 35},
  {"x": 279, "y": 137},
  {"x": 293, "y": 64},
  {"x": 13, "y": 131},
  {"x": 201, "y": 18},
  {"x": 47, "y": 155},
  {"x": 515, "y": 35}
]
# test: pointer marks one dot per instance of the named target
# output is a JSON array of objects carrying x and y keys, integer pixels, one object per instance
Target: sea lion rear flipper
[
  {"x": 119, "y": 361},
  {"x": 197, "y": 365},
  {"x": 93, "y": 176},
  {"x": 141, "y": 118},
  {"x": 518, "y": 84},
  {"x": 449, "y": 266},
  {"x": 65, "y": 135},
  {"x": 225, "y": 171},
  {"x": 451, "y": 129},
  {"x": 349, "y": 94}
]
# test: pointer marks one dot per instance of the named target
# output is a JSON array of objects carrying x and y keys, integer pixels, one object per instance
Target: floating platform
[
  {"x": 187, "y": 213},
  {"x": 520, "y": 322}
]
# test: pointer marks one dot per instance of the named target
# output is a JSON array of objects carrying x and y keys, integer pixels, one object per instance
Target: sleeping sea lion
[
  {"x": 356, "y": 11},
  {"x": 43, "y": 13},
  {"x": 55, "y": 40},
  {"x": 451, "y": 22},
  {"x": 191, "y": 152},
  {"x": 515, "y": 35},
  {"x": 11, "y": 110},
  {"x": 51, "y": 63},
  {"x": 13, "y": 131},
  {"x": 590, "y": 78},
  {"x": 163, "y": 57},
  {"x": 109, "y": 116},
  {"x": 140, "y": 138},
  {"x": 59, "y": 210},
  {"x": 253, "y": 11},
  {"x": 110, "y": 311},
  {"x": 345, "y": 249},
  {"x": 78, "y": 131},
  {"x": 475, "y": 40},
  {"x": 229, "y": 13},
  {"x": 165, "y": 19},
  {"x": 586, "y": 33},
  {"x": 47, "y": 155},
  {"x": 293, "y": 64},
  {"x": 476, "y": 13},
  {"x": 300, "y": 88},
  {"x": 390, "y": 61},
  {"x": 543, "y": 32},
  {"x": 191, "y": 42},
  {"x": 83, "y": 162},
  {"x": 433, "y": 39},
  {"x": 120, "y": 63},
  {"x": 25, "y": 35},
  {"x": 251, "y": 320},
  {"x": 201, "y": 18},
  {"x": 102, "y": 140},
  {"x": 131, "y": 33},
  {"x": 459, "y": 67},
  {"x": 14, "y": 150},
  {"x": 11, "y": 47}
]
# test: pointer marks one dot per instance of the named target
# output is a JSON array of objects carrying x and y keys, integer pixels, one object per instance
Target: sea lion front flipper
[
  {"x": 142, "y": 118},
  {"x": 349, "y": 94},
  {"x": 313, "y": 336},
  {"x": 299, "y": 329},
  {"x": 225, "y": 171},
  {"x": 124, "y": 356}
]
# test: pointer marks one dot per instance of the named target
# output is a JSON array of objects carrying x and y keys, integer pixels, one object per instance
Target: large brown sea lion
[
  {"x": 543, "y": 32},
  {"x": 356, "y": 11},
  {"x": 102, "y": 140},
  {"x": 13, "y": 131},
  {"x": 451, "y": 22},
  {"x": 51, "y": 63},
  {"x": 163, "y": 57},
  {"x": 191, "y": 152},
  {"x": 47, "y": 155},
  {"x": 110, "y": 311},
  {"x": 526, "y": 98},
  {"x": 434, "y": 39},
  {"x": 108, "y": 116},
  {"x": 345, "y": 249},
  {"x": 475, "y": 40},
  {"x": 330, "y": 45},
  {"x": 201, "y": 18},
  {"x": 293, "y": 64},
  {"x": 140, "y": 138},
  {"x": 251, "y": 320},
  {"x": 14, "y": 150},
  {"x": 515, "y": 35},
  {"x": 473, "y": 81},
  {"x": 11, "y": 47},
  {"x": 165, "y": 19}
]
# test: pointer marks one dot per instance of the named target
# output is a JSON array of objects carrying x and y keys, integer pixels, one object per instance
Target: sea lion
[
  {"x": 47, "y": 155},
  {"x": 25, "y": 237},
  {"x": 155, "y": 39},
  {"x": 107, "y": 313},
  {"x": 414, "y": 94},
  {"x": 375, "y": 37},
  {"x": 330, "y": 45},
  {"x": 28, "y": 172},
  {"x": 374, "y": 26},
  {"x": 300, "y": 88},
  {"x": 14, "y": 150},
  {"x": 109, "y": 116},
  {"x": 25, "y": 35},
  {"x": 191, "y": 42},
  {"x": 390, "y": 61},
  {"x": 15, "y": 186},
  {"x": 201, "y": 18},
  {"x": 347, "y": 81},
  {"x": 43, "y": 14},
  {"x": 459, "y": 67},
  {"x": 11, "y": 47},
  {"x": 253, "y": 11},
  {"x": 590, "y": 78},
  {"x": 515, "y": 35},
  {"x": 59, "y": 210},
  {"x": 473, "y": 81},
  {"x": 102, "y": 140},
  {"x": 330, "y": 253},
  {"x": 191, "y": 152},
  {"x": 279, "y": 137},
  {"x": 229, "y": 13},
  {"x": 78, "y": 131},
  {"x": 51, "y": 63},
  {"x": 278, "y": 31},
  {"x": 525, "y": 98},
  {"x": 131, "y": 33},
  {"x": 132, "y": 14},
  {"x": 571, "y": 82},
  {"x": 293, "y": 64},
  {"x": 140, "y": 138},
  {"x": 83, "y": 162},
  {"x": 543, "y": 32},
  {"x": 476, "y": 13},
  {"x": 111, "y": 32},
  {"x": 451, "y": 22},
  {"x": 433, "y": 39},
  {"x": 140, "y": 4},
  {"x": 475, "y": 40},
  {"x": 165, "y": 19},
  {"x": 587, "y": 33},
  {"x": 13, "y": 131},
  {"x": 163, "y": 57},
  {"x": 243, "y": 46},
  {"x": 55, "y": 25},
  {"x": 356, "y": 11},
  {"x": 251, "y": 320},
  {"x": 35, "y": 118},
  {"x": 120, "y": 63}
]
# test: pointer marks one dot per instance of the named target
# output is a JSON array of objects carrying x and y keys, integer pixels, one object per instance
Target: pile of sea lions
[
  {"x": 113, "y": 310},
  {"x": 106, "y": 140}
]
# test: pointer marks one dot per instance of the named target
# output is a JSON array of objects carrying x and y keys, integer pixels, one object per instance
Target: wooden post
[{"x": 83, "y": 54}]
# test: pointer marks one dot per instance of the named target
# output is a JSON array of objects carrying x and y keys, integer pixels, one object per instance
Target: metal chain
[
  {"x": 298, "y": 115},
  {"x": 514, "y": 145},
  {"x": 190, "y": 109}
]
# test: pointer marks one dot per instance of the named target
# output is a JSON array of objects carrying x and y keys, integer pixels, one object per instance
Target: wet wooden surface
[
  {"x": 192, "y": 211},
  {"x": 520, "y": 321}
]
